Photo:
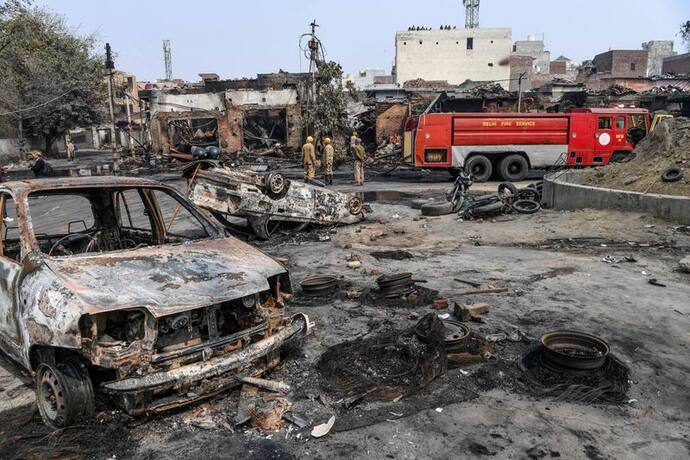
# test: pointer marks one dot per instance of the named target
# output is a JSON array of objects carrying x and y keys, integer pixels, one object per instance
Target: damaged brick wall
[{"x": 390, "y": 120}]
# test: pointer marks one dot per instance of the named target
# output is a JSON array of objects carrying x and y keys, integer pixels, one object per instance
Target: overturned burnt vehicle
[
  {"x": 121, "y": 287},
  {"x": 269, "y": 202}
]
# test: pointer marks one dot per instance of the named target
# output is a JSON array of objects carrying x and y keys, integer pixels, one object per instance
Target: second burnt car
[
  {"x": 268, "y": 201},
  {"x": 121, "y": 287}
]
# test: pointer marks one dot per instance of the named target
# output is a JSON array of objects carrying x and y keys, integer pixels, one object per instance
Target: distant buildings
[{"x": 454, "y": 55}]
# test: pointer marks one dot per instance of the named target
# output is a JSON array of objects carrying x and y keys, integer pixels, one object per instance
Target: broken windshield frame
[{"x": 103, "y": 222}]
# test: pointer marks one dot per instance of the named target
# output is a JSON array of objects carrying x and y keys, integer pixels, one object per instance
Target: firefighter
[
  {"x": 309, "y": 159},
  {"x": 328, "y": 158},
  {"x": 360, "y": 155},
  {"x": 353, "y": 142}
]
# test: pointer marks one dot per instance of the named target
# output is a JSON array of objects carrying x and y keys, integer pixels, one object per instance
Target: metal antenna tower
[
  {"x": 167, "y": 58},
  {"x": 471, "y": 13}
]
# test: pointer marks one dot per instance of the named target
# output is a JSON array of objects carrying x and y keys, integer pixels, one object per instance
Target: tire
[
  {"x": 672, "y": 174},
  {"x": 276, "y": 185},
  {"x": 417, "y": 204},
  {"x": 507, "y": 192},
  {"x": 493, "y": 208},
  {"x": 64, "y": 393},
  {"x": 513, "y": 168},
  {"x": 437, "y": 209},
  {"x": 530, "y": 194},
  {"x": 263, "y": 227},
  {"x": 526, "y": 206},
  {"x": 479, "y": 167}
]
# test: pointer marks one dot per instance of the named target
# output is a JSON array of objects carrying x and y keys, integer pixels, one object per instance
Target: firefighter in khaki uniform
[
  {"x": 328, "y": 158},
  {"x": 360, "y": 155},
  {"x": 309, "y": 159}
]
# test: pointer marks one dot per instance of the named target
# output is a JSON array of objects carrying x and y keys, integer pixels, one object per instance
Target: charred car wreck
[
  {"x": 269, "y": 202},
  {"x": 122, "y": 287}
]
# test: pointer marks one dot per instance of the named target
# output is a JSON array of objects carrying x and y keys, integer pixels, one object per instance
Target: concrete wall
[
  {"x": 167, "y": 102},
  {"x": 364, "y": 78},
  {"x": 444, "y": 55},
  {"x": 679, "y": 65},
  {"x": 565, "y": 191},
  {"x": 268, "y": 98},
  {"x": 535, "y": 49},
  {"x": 657, "y": 50}
]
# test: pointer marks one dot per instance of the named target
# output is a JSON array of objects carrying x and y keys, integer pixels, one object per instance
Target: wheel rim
[
  {"x": 51, "y": 398},
  {"x": 276, "y": 184},
  {"x": 514, "y": 168},
  {"x": 478, "y": 170}
]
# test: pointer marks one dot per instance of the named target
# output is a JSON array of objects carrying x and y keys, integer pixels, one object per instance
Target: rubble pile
[{"x": 668, "y": 146}]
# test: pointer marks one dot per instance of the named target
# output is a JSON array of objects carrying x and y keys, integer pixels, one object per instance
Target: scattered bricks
[
  {"x": 441, "y": 304},
  {"x": 413, "y": 297},
  {"x": 376, "y": 271},
  {"x": 470, "y": 312}
]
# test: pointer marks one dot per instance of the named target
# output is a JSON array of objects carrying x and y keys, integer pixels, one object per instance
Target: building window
[
  {"x": 420, "y": 42},
  {"x": 620, "y": 123},
  {"x": 491, "y": 64},
  {"x": 633, "y": 66},
  {"x": 437, "y": 43},
  {"x": 470, "y": 43},
  {"x": 405, "y": 43}
]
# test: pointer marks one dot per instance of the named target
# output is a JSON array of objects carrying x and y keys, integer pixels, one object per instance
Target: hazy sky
[{"x": 241, "y": 38}]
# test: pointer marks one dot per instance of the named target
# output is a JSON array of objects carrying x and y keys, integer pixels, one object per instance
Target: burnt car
[
  {"x": 122, "y": 288},
  {"x": 269, "y": 201}
]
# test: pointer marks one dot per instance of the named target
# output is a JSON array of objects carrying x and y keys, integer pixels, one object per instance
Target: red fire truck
[{"x": 510, "y": 144}]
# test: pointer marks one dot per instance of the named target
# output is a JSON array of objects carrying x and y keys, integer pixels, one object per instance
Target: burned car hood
[{"x": 167, "y": 279}]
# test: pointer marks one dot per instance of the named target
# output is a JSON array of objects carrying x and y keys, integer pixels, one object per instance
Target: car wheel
[
  {"x": 264, "y": 228},
  {"x": 526, "y": 206},
  {"x": 513, "y": 168},
  {"x": 64, "y": 393},
  {"x": 437, "y": 209},
  {"x": 479, "y": 167},
  {"x": 276, "y": 185}
]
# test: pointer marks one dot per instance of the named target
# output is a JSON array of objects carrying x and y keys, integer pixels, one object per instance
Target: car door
[{"x": 10, "y": 269}]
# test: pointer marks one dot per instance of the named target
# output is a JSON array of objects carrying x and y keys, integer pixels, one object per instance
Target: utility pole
[
  {"x": 313, "y": 46},
  {"x": 110, "y": 66},
  {"x": 522, "y": 75}
]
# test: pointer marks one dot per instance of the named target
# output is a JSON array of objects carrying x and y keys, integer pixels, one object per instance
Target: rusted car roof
[{"x": 52, "y": 183}]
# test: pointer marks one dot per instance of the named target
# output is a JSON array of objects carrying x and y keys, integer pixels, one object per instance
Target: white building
[
  {"x": 364, "y": 78},
  {"x": 454, "y": 55}
]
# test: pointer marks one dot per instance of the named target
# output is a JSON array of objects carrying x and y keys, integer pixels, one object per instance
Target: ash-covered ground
[{"x": 551, "y": 263}]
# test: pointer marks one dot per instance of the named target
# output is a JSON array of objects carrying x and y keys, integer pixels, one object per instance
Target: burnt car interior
[{"x": 91, "y": 220}]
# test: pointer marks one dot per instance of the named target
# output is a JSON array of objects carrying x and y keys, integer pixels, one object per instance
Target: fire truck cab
[{"x": 508, "y": 145}]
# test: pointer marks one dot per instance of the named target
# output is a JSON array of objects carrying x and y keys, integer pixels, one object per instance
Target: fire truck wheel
[
  {"x": 479, "y": 167},
  {"x": 437, "y": 209},
  {"x": 672, "y": 174},
  {"x": 513, "y": 168},
  {"x": 526, "y": 206}
]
